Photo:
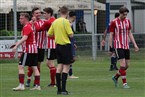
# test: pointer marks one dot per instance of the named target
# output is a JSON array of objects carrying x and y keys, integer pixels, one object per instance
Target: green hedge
[{"x": 8, "y": 33}]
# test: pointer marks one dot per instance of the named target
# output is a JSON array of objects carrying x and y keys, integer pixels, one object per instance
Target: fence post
[
  {"x": 15, "y": 23},
  {"x": 93, "y": 32}
]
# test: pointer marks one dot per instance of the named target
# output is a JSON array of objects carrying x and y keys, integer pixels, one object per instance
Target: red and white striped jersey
[
  {"x": 29, "y": 46},
  {"x": 41, "y": 36},
  {"x": 49, "y": 42},
  {"x": 121, "y": 30}
]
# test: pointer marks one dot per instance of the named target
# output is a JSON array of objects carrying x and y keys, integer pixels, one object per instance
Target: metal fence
[{"x": 84, "y": 43}]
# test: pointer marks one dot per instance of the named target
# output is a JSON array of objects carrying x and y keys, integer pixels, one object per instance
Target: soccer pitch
[{"x": 94, "y": 79}]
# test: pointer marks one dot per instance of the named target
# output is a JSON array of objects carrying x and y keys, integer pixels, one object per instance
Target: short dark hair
[
  {"x": 26, "y": 15},
  {"x": 34, "y": 9},
  {"x": 116, "y": 15},
  {"x": 48, "y": 10},
  {"x": 123, "y": 9},
  {"x": 72, "y": 13},
  {"x": 63, "y": 10}
]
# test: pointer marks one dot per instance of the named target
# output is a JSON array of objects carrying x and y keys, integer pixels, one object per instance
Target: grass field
[{"x": 94, "y": 79}]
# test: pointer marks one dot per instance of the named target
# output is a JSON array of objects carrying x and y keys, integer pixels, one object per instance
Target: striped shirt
[
  {"x": 121, "y": 30},
  {"x": 29, "y": 46},
  {"x": 49, "y": 42},
  {"x": 41, "y": 35}
]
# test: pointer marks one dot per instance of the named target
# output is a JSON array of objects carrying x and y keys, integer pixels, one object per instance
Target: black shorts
[
  {"x": 123, "y": 53},
  {"x": 41, "y": 54},
  {"x": 28, "y": 59},
  {"x": 64, "y": 54},
  {"x": 51, "y": 54}
]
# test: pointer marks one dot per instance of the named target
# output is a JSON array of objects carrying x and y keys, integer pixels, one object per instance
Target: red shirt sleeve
[
  {"x": 112, "y": 27},
  {"x": 46, "y": 25},
  {"x": 27, "y": 30}
]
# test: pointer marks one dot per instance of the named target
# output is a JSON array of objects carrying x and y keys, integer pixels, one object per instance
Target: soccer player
[
  {"x": 72, "y": 17},
  {"x": 120, "y": 33},
  {"x": 50, "y": 44},
  {"x": 41, "y": 43},
  {"x": 113, "y": 55},
  {"x": 62, "y": 31},
  {"x": 29, "y": 56}
]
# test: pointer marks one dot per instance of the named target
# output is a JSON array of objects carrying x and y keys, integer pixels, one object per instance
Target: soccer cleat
[
  {"x": 73, "y": 76},
  {"x": 51, "y": 85},
  {"x": 36, "y": 87},
  {"x": 27, "y": 85},
  {"x": 65, "y": 93},
  {"x": 125, "y": 86},
  {"x": 58, "y": 93},
  {"x": 19, "y": 88},
  {"x": 115, "y": 81}
]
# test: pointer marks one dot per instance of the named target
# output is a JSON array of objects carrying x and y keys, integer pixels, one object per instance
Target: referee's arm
[{"x": 69, "y": 29}]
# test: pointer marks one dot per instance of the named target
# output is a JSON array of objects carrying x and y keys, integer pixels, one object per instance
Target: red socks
[
  {"x": 21, "y": 78},
  {"x": 37, "y": 80},
  {"x": 52, "y": 75},
  {"x": 123, "y": 75}
]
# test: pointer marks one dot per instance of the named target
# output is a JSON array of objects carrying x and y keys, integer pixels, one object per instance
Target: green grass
[{"x": 94, "y": 79}]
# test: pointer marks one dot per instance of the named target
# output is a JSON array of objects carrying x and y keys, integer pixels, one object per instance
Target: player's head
[
  {"x": 72, "y": 16},
  {"x": 47, "y": 12},
  {"x": 116, "y": 15},
  {"x": 63, "y": 10},
  {"x": 36, "y": 13},
  {"x": 24, "y": 18},
  {"x": 123, "y": 11}
]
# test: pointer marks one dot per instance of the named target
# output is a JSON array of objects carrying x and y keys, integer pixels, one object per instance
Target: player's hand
[
  {"x": 33, "y": 20},
  {"x": 12, "y": 46},
  {"x": 136, "y": 48},
  {"x": 14, "y": 49},
  {"x": 103, "y": 42}
]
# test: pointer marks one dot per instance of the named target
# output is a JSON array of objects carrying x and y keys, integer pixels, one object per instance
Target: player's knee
[
  {"x": 124, "y": 67},
  {"x": 20, "y": 67}
]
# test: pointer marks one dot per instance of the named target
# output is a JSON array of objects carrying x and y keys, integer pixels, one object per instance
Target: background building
[{"x": 82, "y": 8}]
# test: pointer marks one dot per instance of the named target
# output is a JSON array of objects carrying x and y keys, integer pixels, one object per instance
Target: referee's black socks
[
  {"x": 64, "y": 79},
  {"x": 58, "y": 81}
]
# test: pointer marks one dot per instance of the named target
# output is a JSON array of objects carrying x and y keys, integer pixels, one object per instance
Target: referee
[{"x": 62, "y": 31}]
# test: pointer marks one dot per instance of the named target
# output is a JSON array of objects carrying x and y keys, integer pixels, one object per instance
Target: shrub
[{"x": 8, "y": 33}]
